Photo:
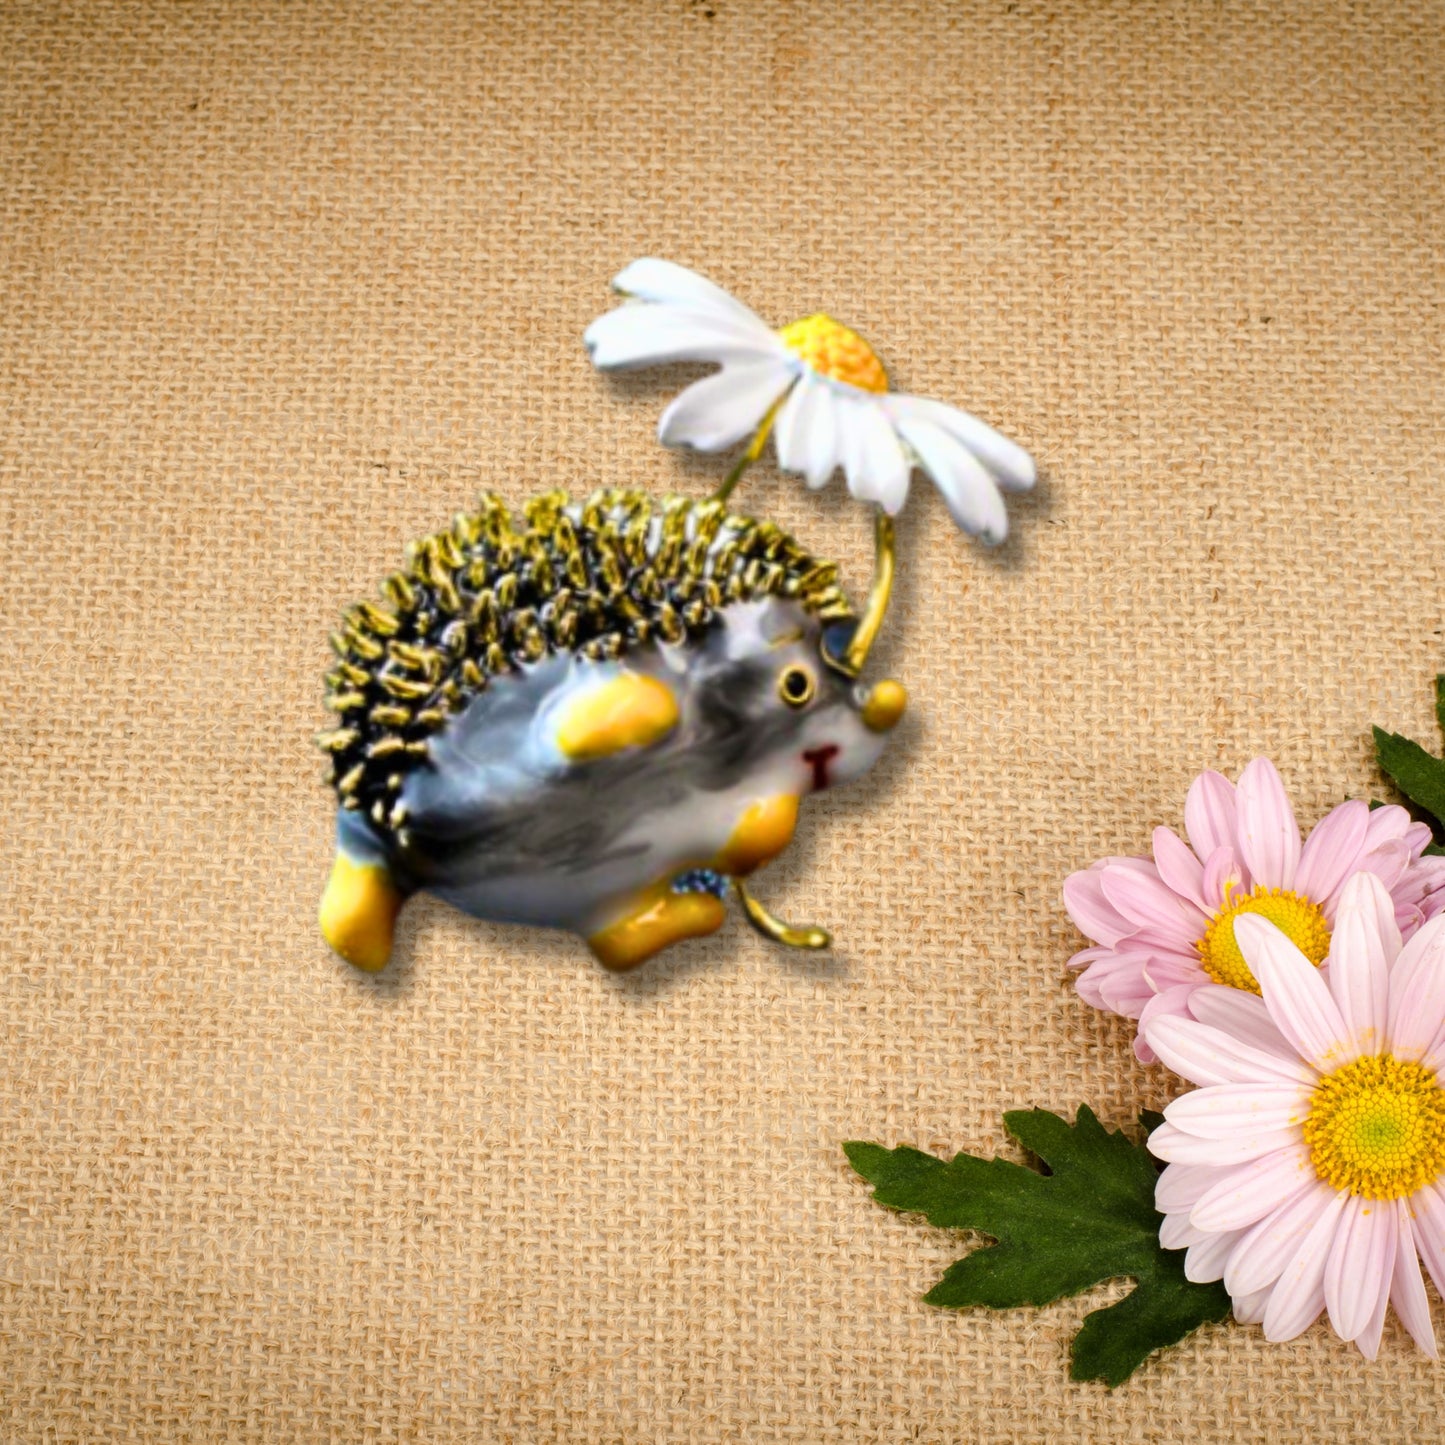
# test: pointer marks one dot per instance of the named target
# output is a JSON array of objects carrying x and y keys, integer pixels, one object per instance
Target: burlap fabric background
[{"x": 284, "y": 287}]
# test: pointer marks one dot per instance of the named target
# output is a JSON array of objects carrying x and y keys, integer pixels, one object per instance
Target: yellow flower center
[
  {"x": 1301, "y": 921},
  {"x": 1376, "y": 1127},
  {"x": 832, "y": 349}
]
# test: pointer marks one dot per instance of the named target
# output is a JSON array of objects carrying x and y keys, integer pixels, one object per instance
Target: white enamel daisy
[{"x": 816, "y": 386}]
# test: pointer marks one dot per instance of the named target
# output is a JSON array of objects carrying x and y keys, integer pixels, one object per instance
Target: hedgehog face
[{"x": 768, "y": 685}]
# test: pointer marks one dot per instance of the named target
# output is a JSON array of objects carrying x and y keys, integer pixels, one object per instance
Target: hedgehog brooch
[{"x": 602, "y": 715}]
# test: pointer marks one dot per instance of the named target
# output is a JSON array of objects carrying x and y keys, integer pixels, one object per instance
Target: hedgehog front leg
[
  {"x": 656, "y": 918},
  {"x": 359, "y": 909}
]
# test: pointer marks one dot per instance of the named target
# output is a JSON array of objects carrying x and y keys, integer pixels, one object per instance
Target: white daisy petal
[
  {"x": 1362, "y": 948},
  {"x": 1299, "y": 1296},
  {"x": 1264, "y": 1250},
  {"x": 1360, "y": 1263},
  {"x": 822, "y": 437},
  {"x": 667, "y": 283},
  {"x": 1297, "y": 998},
  {"x": 877, "y": 469},
  {"x": 1239, "y": 1111},
  {"x": 636, "y": 336},
  {"x": 791, "y": 429},
  {"x": 1407, "y": 1287},
  {"x": 972, "y": 495},
  {"x": 720, "y": 410},
  {"x": 1012, "y": 467},
  {"x": 1246, "y": 1195}
]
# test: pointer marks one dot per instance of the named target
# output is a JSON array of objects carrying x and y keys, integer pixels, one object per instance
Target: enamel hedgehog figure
[{"x": 602, "y": 718}]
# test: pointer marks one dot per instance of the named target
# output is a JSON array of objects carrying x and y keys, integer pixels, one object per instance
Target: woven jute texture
[{"x": 285, "y": 286}]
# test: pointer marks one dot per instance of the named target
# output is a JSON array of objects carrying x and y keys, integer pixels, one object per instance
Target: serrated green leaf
[
  {"x": 1416, "y": 773},
  {"x": 1150, "y": 1120},
  {"x": 1440, "y": 700},
  {"x": 1090, "y": 1218}
]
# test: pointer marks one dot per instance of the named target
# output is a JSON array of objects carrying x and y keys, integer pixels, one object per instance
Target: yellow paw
[
  {"x": 358, "y": 912},
  {"x": 659, "y": 918}
]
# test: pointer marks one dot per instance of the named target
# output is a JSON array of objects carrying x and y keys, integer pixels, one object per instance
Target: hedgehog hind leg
[
  {"x": 359, "y": 909},
  {"x": 655, "y": 919}
]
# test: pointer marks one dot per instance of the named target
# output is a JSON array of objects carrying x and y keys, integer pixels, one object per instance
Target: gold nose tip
[{"x": 884, "y": 706}]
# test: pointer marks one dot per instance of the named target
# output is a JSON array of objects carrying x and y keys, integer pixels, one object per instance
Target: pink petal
[
  {"x": 1242, "y": 1014},
  {"x": 1407, "y": 1287},
  {"x": 1172, "y": 1003},
  {"x": 1177, "y": 1233},
  {"x": 1388, "y": 824},
  {"x": 1093, "y": 915},
  {"x": 1205, "y": 1261},
  {"x": 1249, "y": 1309},
  {"x": 1151, "y": 903},
  {"x": 1238, "y": 1112},
  {"x": 1363, "y": 945},
  {"x": 1180, "y": 1186},
  {"x": 1209, "y": 813},
  {"x": 1360, "y": 1263},
  {"x": 1206, "y": 1055},
  {"x": 1247, "y": 1194},
  {"x": 1266, "y": 1249},
  {"x": 1224, "y": 876},
  {"x": 1297, "y": 998},
  {"x": 1367, "y": 1342},
  {"x": 1417, "y": 838},
  {"x": 1171, "y": 971},
  {"x": 1177, "y": 1147},
  {"x": 1178, "y": 866},
  {"x": 1332, "y": 850},
  {"x": 1299, "y": 1296},
  {"x": 1417, "y": 992},
  {"x": 1428, "y": 1227},
  {"x": 1268, "y": 834},
  {"x": 1388, "y": 863}
]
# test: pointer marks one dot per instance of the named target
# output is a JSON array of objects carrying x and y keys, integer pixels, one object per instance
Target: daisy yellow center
[
  {"x": 835, "y": 350},
  {"x": 1376, "y": 1128},
  {"x": 1301, "y": 921}
]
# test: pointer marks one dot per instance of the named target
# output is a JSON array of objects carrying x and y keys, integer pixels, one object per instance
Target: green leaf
[
  {"x": 1417, "y": 774},
  {"x": 1091, "y": 1217},
  {"x": 1440, "y": 700}
]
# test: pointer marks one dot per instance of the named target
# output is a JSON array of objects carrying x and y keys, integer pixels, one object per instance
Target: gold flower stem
[
  {"x": 754, "y": 451},
  {"x": 779, "y": 932}
]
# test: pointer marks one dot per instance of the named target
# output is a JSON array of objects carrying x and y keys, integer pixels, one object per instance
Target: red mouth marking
[{"x": 820, "y": 758}]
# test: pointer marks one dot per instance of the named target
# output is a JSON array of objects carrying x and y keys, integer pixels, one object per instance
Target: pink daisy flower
[
  {"x": 1308, "y": 1171},
  {"x": 1163, "y": 927}
]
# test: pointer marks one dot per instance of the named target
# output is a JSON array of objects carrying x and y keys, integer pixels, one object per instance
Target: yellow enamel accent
[
  {"x": 1300, "y": 920},
  {"x": 763, "y": 831},
  {"x": 884, "y": 706},
  {"x": 835, "y": 350},
  {"x": 659, "y": 918},
  {"x": 629, "y": 711},
  {"x": 358, "y": 912},
  {"x": 1376, "y": 1127}
]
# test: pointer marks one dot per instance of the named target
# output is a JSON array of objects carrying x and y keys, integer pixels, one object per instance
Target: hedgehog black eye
[{"x": 796, "y": 686}]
